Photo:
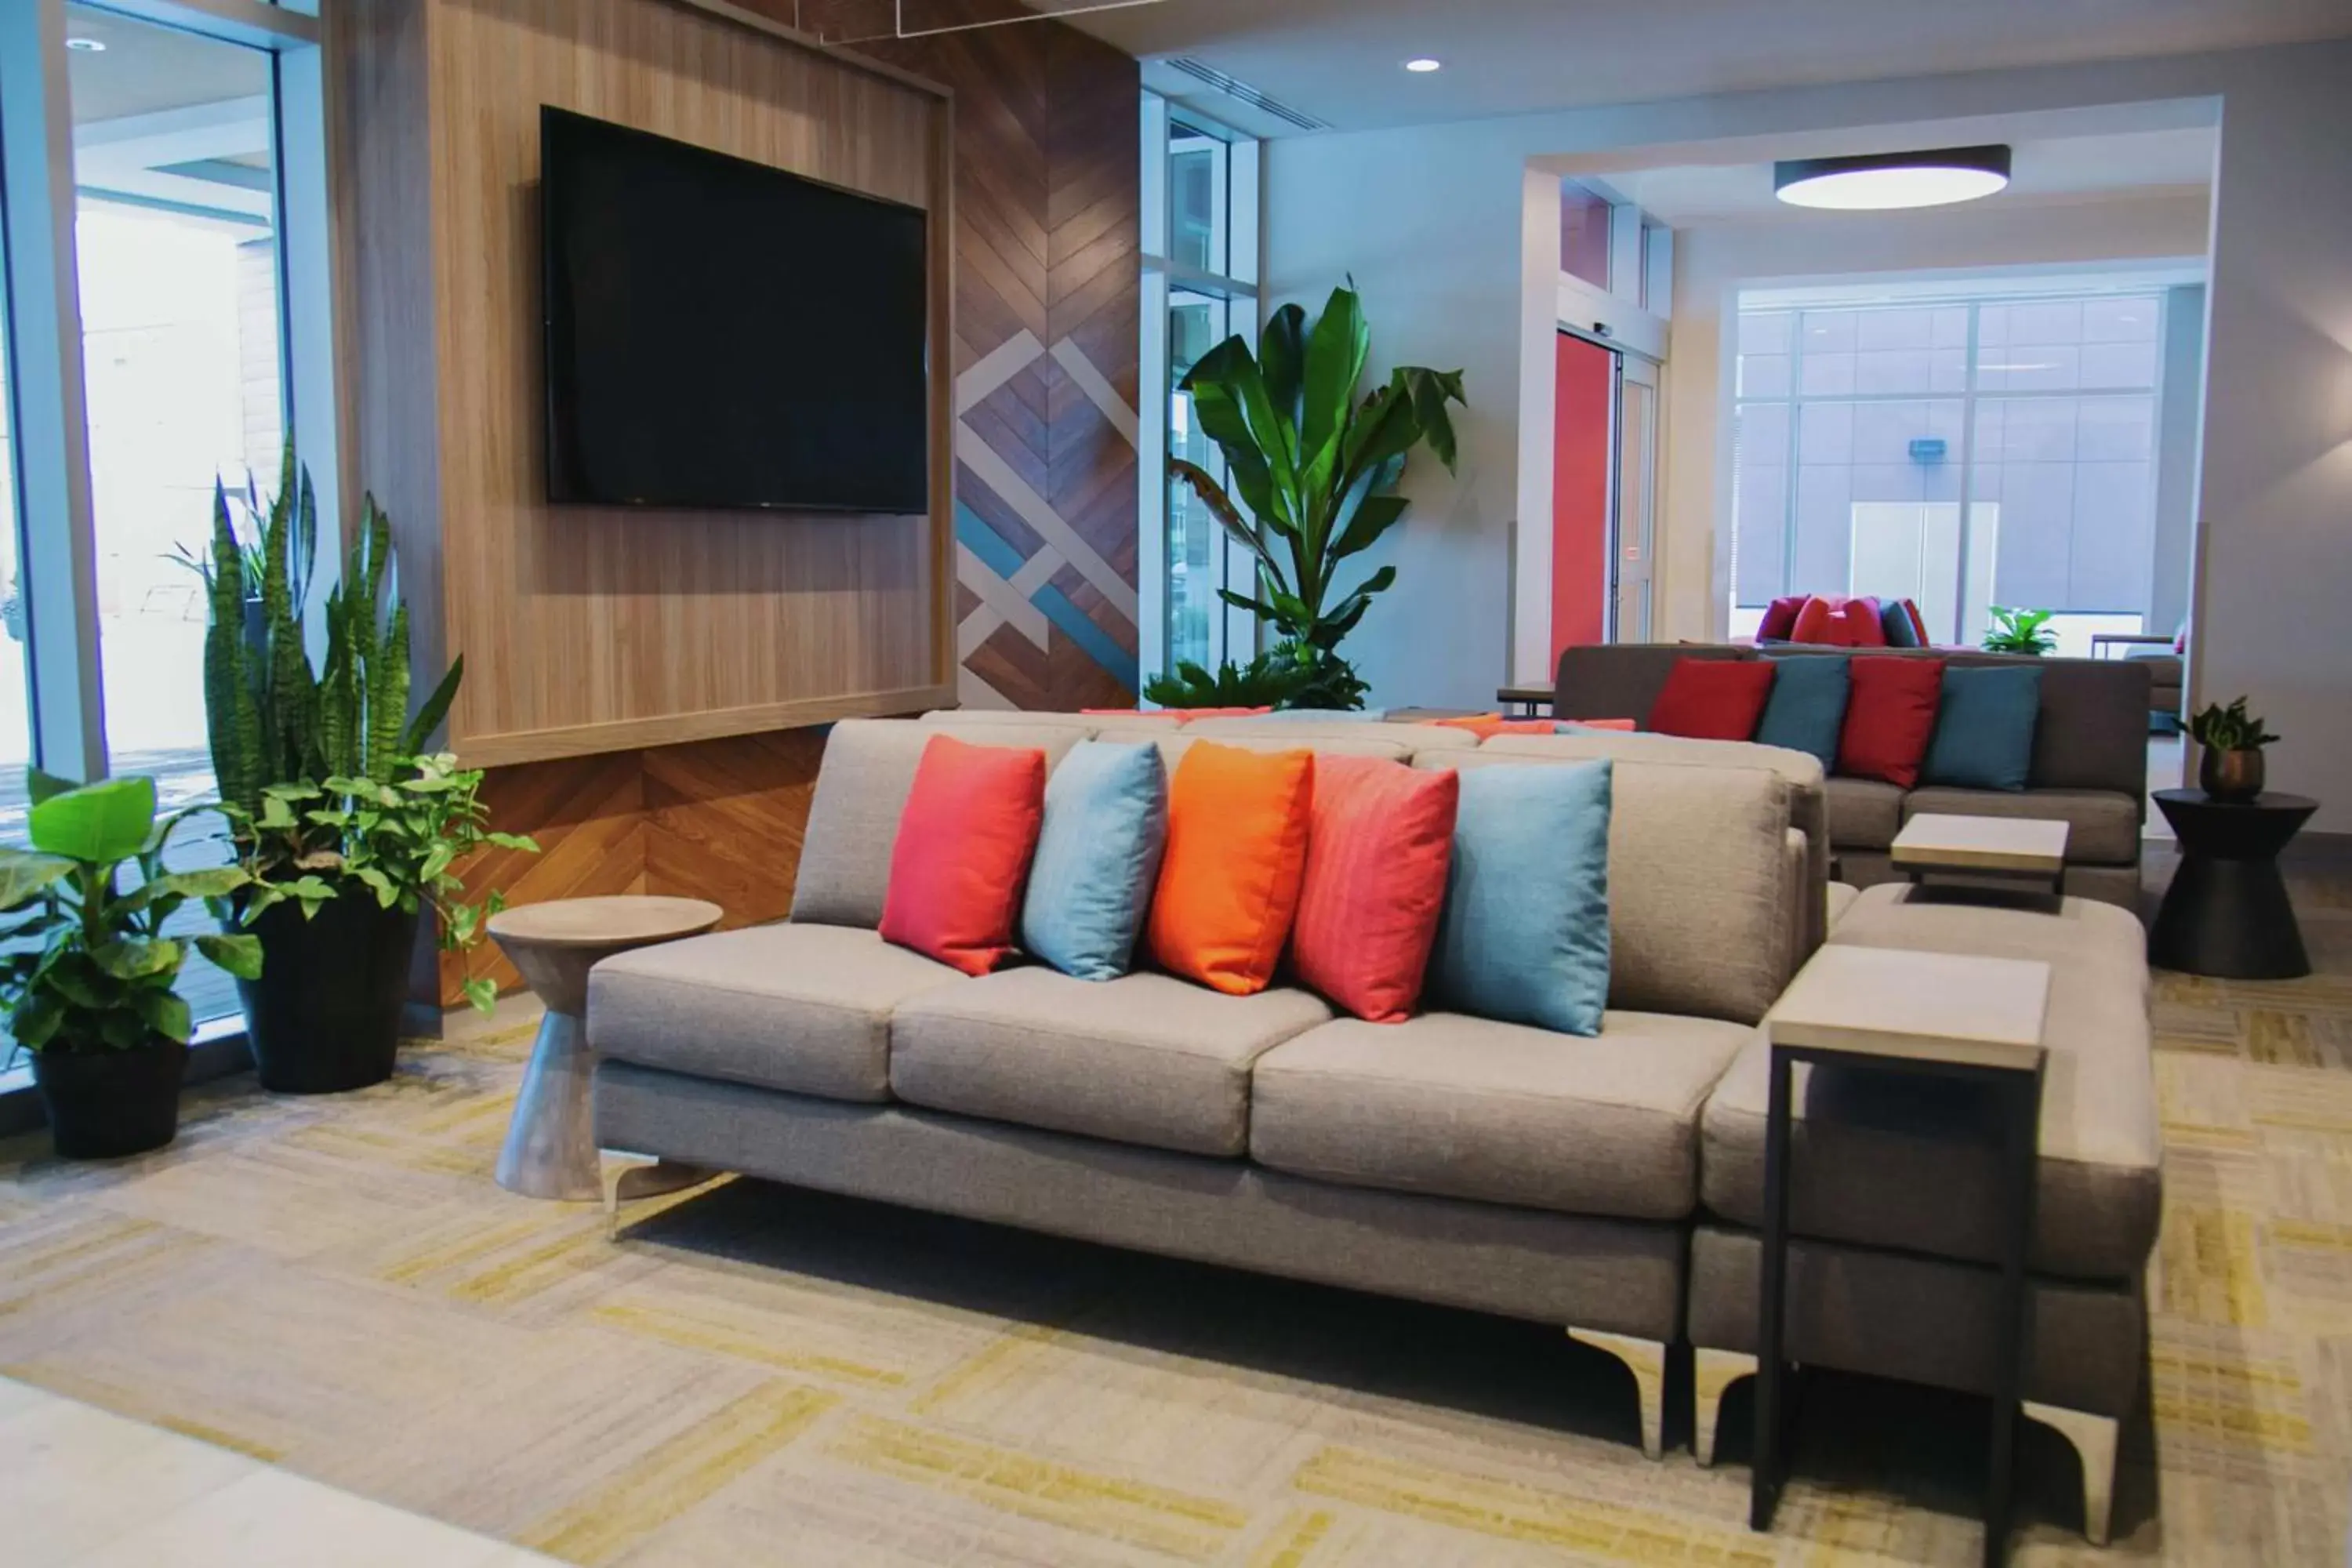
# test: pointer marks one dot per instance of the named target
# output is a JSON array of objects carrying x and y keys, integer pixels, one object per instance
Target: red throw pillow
[
  {"x": 965, "y": 838},
  {"x": 1812, "y": 621},
  {"x": 1918, "y": 624},
  {"x": 1713, "y": 698},
  {"x": 1863, "y": 622},
  {"x": 1379, "y": 842},
  {"x": 1890, "y": 714},
  {"x": 1779, "y": 622}
]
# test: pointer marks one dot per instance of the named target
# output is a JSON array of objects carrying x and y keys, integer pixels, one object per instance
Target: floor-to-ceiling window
[
  {"x": 1199, "y": 243},
  {"x": 1962, "y": 453},
  {"x": 157, "y": 290}
]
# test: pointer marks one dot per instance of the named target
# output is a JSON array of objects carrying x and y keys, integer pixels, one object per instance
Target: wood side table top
[
  {"x": 1981, "y": 843},
  {"x": 1917, "y": 1007},
  {"x": 615, "y": 920}
]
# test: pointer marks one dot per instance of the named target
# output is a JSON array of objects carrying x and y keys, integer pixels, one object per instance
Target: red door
[{"x": 1583, "y": 449}]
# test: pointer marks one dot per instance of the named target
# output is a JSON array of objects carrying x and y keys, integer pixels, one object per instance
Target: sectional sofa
[
  {"x": 1603, "y": 1184},
  {"x": 2089, "y": 769}
]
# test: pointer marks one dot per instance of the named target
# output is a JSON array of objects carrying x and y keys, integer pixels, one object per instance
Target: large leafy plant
[
  {"x": 1317, "y": 468},
  {"x": 90, "y": 967}
]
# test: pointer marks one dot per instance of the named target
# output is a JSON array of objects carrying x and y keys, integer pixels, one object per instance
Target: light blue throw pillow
[
  {"x": 1806, "y": 711},
  {"x": 1097, "y": 857},
  {"x": 1524, "y": 936},
  {"x": 1984, "y": 727}
]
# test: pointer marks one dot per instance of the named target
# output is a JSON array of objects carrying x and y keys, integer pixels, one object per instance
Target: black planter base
[
  {"x": 103, "y": 1105},
  {"x": 324, "y": 1017}
]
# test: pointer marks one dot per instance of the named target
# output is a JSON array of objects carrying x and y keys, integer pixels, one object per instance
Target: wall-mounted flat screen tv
[{"x": 724, "y": 335}]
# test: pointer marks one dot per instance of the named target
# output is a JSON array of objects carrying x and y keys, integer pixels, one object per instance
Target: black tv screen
[{"x": 722, "y": 334}]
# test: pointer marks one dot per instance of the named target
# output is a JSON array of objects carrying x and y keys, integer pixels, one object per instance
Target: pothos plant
[{"x": 401, "y": 839}]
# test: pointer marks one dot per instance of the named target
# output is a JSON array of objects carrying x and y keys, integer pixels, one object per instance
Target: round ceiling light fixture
[
  {"x": 1423, "y": 66},
  {"x": 87, "y": 46},
  {"x": 1872, "y": 182}
]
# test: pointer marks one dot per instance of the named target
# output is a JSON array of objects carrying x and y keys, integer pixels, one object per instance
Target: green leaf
[
  {"x": 483, "y": 993},
  {"x": 97, "y": 824},
  {"x": 436, "y": 707},
  {"x": 1335, "y": 352},
  {"x": 40, "y": 786},
  {"x": 165, "y": 1013},
  {"x": 213, "y": 883},
  {"x": 1282, "y": 359},
  {"x": 134, "y": 958},
  {"x": 36, "y": 1020},
  {"x": 521, "y": 841},
  {"x": 24, "y": 874},
  {"x": 233, "y": 955},
  {"x": 386, "y": 894}
]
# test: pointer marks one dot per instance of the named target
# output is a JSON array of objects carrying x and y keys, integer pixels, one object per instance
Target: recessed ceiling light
[
  {"x": 1876, "y": 180},
  {"x": 87, "y": 46},
  {"x": 1423, "y": 66}
]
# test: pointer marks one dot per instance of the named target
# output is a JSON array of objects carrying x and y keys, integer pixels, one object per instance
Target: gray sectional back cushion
[
  {"x": 861, "y": 788},
  {"x": 1700, "y": 909}
]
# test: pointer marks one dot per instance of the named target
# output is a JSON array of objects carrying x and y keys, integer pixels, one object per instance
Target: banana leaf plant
[{"x": 1313, "y": 470}]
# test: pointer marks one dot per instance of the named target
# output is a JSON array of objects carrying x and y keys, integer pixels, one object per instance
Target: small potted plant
[
  {"x": 90, "y": 985},
  {"x": 2230, "y": 764},
  {"x": 2020, "y": 631}
]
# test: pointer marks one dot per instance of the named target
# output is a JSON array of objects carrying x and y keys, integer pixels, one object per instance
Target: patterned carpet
[{"x": 756, "y": 1375}]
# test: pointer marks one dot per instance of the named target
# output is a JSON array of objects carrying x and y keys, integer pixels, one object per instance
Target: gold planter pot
[{"x": 2231, "y": 775}]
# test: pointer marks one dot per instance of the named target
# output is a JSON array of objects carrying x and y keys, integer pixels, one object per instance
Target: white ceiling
[
  {"x": 1340, "y": 60},
  {"x": 2072, "y": 168}
]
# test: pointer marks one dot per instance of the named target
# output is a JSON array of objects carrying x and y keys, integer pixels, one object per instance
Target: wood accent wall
[
  {"x": 584, "y": 629},
  {"x": 669, "y": 797}
]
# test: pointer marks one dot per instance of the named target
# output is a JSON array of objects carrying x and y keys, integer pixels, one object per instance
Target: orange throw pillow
[
  {"x": 961, "y": 861},
  {"x": 1377, "y": 855},
  {"x": 1237, "y": 853},
  {"x": 1487, "y": 725}
]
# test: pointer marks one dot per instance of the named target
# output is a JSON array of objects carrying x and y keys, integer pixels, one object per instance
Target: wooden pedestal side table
[
  {"x": 2028, "y": 850},
  {"x": 550, "y": 1147},
  {"x": 1970, "y": 1020}
]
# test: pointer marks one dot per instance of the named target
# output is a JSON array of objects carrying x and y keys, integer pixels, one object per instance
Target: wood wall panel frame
[{"x": 590, "y": 629}]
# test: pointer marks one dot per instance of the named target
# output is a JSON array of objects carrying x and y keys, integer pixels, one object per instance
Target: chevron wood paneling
[
  {"x": 1047, "y": 253},
  {"x": 715, "y": 819}
]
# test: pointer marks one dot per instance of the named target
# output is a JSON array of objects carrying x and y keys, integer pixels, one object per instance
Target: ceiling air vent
[{"x": 1211, "y": 77}]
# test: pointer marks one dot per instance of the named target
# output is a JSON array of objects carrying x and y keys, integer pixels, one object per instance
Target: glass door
[{"x": 1635, "y": 515}]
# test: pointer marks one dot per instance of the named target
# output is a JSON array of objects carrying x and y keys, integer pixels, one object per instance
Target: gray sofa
[
  {"x": 1450, "y": 1159},
  {"x": 2089, "y": 768},
  {"x": 1610, "y": 1185}
]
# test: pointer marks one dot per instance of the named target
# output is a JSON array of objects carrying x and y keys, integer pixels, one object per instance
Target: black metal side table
[
  {"x": 1970, "y": 1020},
  {"x": 2226, "y": 913}
]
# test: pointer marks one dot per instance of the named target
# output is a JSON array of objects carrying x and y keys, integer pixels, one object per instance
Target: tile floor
[{"x": 82, "y": 1488}]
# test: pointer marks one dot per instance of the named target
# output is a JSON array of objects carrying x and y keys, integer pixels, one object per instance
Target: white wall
[
  {"x": 1430, "y": 221},
  {"x": 2180, "y": 417},
  {"x": 1712, "y": 264}
]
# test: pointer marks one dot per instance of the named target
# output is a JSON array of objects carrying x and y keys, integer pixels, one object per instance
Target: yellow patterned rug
[{"x": 756, "y": 1375}]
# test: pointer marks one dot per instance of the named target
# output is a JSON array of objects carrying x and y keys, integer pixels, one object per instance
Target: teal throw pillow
[
  {"x": 1097, "y": 857},
  {"x": 1806, "y": 711},
  {"x": 1524, "y": 936},
  {"x": 1984, "y": 729}
]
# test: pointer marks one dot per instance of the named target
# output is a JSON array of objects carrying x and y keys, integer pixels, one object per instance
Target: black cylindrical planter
[
  {"x": 325, "y": 1014},
  {"x": 105, "y": 1104}
]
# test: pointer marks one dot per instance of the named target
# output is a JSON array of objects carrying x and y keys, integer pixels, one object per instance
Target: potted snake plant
[
  {"x": 351, "y": 834},
  {"x": 90, "y": 981}
]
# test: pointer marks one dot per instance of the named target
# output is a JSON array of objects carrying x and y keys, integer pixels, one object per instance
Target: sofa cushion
[
  {"x": 1307, "y": 730},
  {"x": 1984, "y": 729},
  {"x": 1893, "y": 915},
  {"x": 804, "y": 1008},
  {"x": 2102, "y": 827},
  {"x": 861, "y": 789},
  {"x": 1865, "y": 814},
  {"x": 1895, "y": 1160},
  {"x": 1712, "y": 698},
  {"x": 1698, "y": 922},
  {"x": 1470, "y": 1108},
  {"x": 1890, "y": 711},
  {"x": 962, "y": 852},
  {"x": 1147, "y": 1058},
  {"x": 1807, "y": 708}
]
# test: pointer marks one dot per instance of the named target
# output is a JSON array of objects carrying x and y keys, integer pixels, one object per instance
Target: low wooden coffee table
[
  {"x": 551, "y": 1148},
  {"x": 1976, "y": 1020},
  {"x": 2030, "y": 849}
]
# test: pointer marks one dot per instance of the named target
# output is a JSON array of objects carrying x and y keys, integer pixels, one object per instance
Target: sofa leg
[
  {"x": 627, "y": 1179},
  {"x": 1646, "y": 1360},
  {"x": 2094, "y": 1437},
  {"x": 1712, "y": 1375}
]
